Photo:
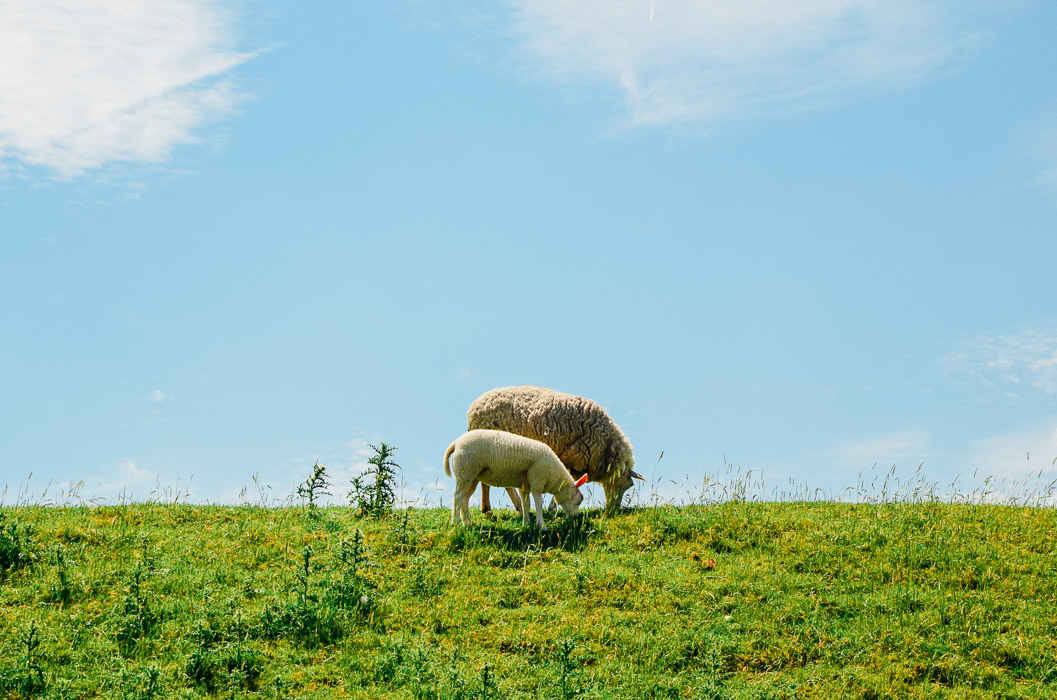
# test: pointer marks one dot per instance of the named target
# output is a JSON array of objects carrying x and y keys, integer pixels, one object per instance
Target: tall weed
[
  {"x": 373, "y": 493},
  {"x": 314, "y": 486},
  {"x": 16, "y": 544}
]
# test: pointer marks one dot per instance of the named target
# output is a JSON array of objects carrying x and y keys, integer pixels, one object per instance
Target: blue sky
[{"x": 799, "y": 240}]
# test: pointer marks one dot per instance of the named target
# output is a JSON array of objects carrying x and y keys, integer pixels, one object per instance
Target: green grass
[{"x": 737, "y": 599}]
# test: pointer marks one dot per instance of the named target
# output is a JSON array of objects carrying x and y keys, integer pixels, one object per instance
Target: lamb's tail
[{"x": 447, "y": 469}]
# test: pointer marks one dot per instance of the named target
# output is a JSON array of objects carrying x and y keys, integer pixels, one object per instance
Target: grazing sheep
[
  {"x": 584, "y": 437},
  {"x": 498, "y": 458}
]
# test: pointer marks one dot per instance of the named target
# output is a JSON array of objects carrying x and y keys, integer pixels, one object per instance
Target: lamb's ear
[
  {"x": 581, "y": 481},
  {"x": 636, "y": 475}
]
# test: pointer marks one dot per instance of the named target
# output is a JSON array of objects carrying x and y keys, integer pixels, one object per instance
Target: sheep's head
[{"x": 618, "y": 485}]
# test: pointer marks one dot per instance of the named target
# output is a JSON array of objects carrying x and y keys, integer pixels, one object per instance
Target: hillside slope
[{"x": 754, "y": 600}]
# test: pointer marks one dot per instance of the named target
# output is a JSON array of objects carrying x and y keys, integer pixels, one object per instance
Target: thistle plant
[
  {"x": 568, "y": 667},
  {"x": 16, "y": 545},
  {"x": 33, "y": 680},
  {"x": 315, "y": 486},
  {"x": 376, "y": 499}
]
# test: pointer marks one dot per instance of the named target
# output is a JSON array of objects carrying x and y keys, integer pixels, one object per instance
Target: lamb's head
[{"x": 570, "y": 497}]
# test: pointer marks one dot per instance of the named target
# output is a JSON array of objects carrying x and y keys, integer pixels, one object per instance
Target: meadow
[{"x": 910, "y": 597}]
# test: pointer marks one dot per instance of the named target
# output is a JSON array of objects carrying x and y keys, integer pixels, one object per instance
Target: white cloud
[
  {"x": 1042, "y": 148},
  {"x": 342, "y": 463},
  {"x": 157, "y": 396},
  {"x": 683, "y": 61},
  {"x": 87, "y": 83},
  {"x": 1016, "y": 453},
  {"x": 121, "y": 481},
  {"x": 128, "y": 470},
  {"x": 418, "y": 485},
  {"x": 1008, "y": 364},
  {"x": 885, "y": 450},
  {"x": 361, "y": 450},
  {"x": 1018, "y": 466}
]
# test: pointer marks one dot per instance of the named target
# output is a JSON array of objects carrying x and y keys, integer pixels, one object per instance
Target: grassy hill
[{"x": 740, "y": 600}]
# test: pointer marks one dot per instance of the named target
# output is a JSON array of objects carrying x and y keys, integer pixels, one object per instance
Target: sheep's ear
[
  {"x": 636, "y": 475},
  {"x": 581, "y": 481}
]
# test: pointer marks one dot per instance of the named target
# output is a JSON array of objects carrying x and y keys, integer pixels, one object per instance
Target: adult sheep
[{"x": 584, "y": 437}]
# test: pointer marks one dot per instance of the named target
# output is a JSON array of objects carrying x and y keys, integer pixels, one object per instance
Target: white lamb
[{"x": 507, "y": 460}]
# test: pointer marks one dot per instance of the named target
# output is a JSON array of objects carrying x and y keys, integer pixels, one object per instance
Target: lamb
[
  {"x": 499, "y": 458},
  {"x": 584, "y": 437}
]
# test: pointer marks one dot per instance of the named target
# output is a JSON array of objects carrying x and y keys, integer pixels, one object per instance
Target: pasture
[{"x": 729, "y": 600}]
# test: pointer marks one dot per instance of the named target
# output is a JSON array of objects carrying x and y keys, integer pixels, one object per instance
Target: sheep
[
  {"x": 499, "y": 458},
  {"x": 584, "y": 437}
]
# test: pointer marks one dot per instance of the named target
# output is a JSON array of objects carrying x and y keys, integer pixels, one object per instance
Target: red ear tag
[{"x": 581, "y": 481}]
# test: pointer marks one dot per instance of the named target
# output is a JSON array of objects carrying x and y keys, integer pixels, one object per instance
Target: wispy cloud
[
  {"x": 124, "y": 480},
  {"x": 892, "y": 448},
  {"x": 343, "y": 462},
  {"x": 1012, "y": 466},
  {"x": 1016, "y": 453},
  {"x": 1008, "y": 364},
  {"x": 1019, "y": 465},
  {"x": 686, "y": 61},
  {"x": 87, "y": 83},
  {"x": 1042, "y": 147}
]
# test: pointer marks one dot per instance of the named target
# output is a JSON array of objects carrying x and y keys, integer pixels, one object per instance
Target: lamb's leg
[
  {"x": 486, "y": 501},
  {"x": 523, "y": 502},
  {"x": 538, "y": 498},
  {"x": 465, "y": 505},
  {"x": 460, "y": 508}
]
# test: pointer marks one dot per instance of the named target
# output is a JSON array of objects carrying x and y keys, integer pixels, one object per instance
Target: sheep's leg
[
  {"x": 538, "y": 498},
  {"x": 514, "y": 498}
]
